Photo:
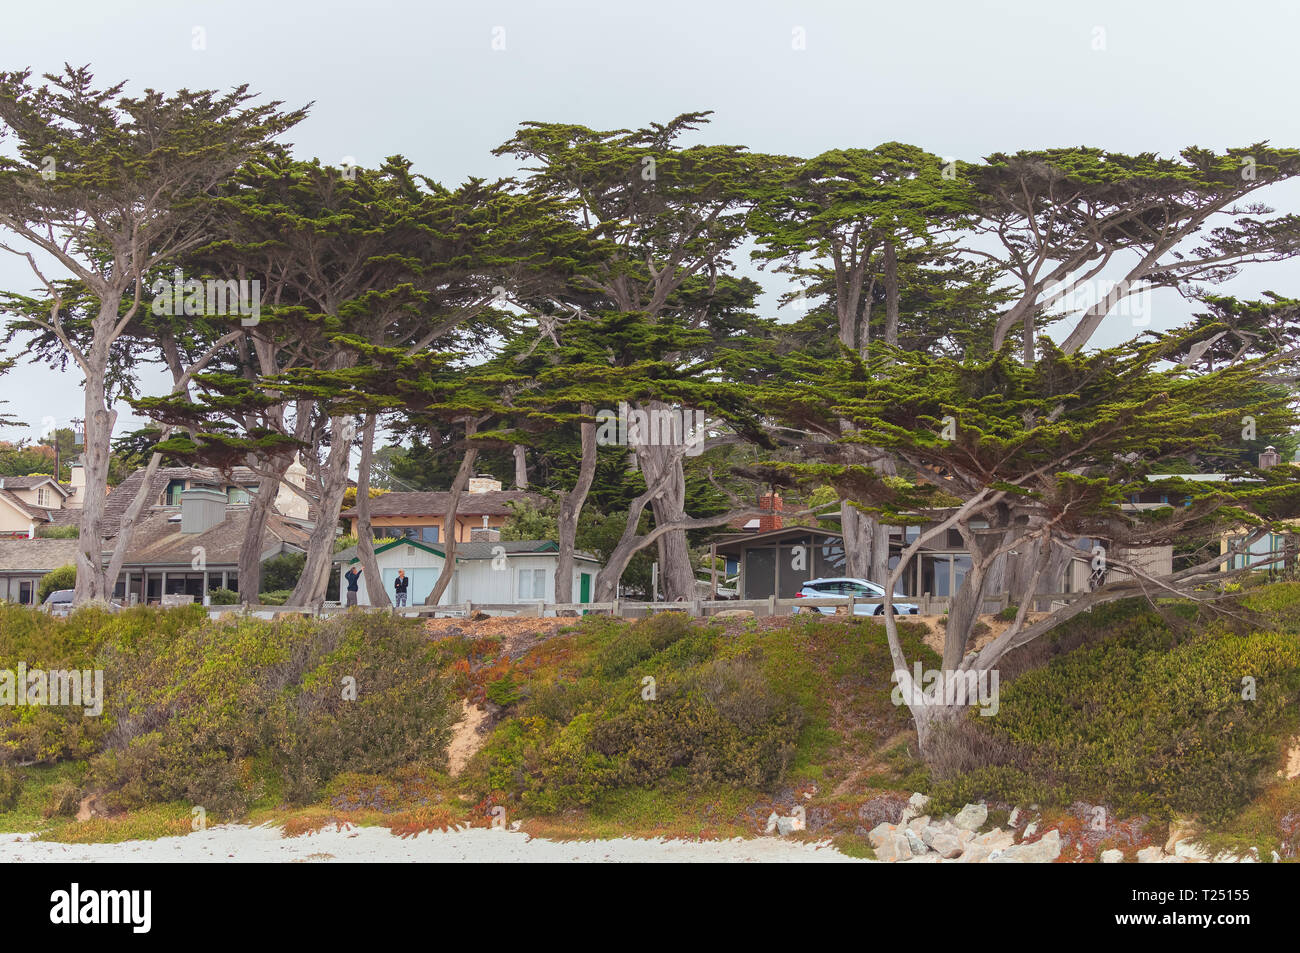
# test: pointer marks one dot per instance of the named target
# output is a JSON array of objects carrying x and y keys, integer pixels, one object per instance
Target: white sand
[{"x": 241, "y": 844}]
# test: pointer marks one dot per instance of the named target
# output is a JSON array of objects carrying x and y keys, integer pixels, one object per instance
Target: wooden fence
[{"x": 631, "y": 609}]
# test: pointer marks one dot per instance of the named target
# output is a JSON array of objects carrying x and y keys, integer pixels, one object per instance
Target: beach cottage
[{"x": 487, "y": 571}]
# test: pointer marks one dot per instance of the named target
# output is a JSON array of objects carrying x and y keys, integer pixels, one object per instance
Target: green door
[{"x": 584, "y": 587}]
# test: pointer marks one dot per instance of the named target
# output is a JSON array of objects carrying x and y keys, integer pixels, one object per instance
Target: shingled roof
[
  {"x": 478, "y": 549},
  {"x": 158, "y": 540},
  {"x": 120, "y": 497},
  {"x": 434, "y": 503},
  {"x": 36, "y": 555}
]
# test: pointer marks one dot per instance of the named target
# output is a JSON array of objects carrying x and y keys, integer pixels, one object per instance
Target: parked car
[
  {"x": 844, "y": 586},
  {"x": 59, "y": 602}
]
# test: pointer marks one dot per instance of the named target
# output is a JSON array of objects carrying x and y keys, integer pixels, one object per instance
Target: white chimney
[
  {"x": 201, "y": 509},
  {"x": 483, "y": 484}
]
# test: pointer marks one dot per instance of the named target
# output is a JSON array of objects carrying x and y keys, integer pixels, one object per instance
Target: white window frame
[{"x": 537, "y": 582}]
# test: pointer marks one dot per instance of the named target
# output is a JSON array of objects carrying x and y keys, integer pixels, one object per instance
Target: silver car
[
  {"x": 844, "y": 586},
  {"x": 58, "y": 602}
]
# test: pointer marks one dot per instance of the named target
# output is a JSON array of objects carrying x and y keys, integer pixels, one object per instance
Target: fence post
[
  {"x": 696, "y": 609},
  {"x": 771, "y": 605},
  {"x": 617, "y": 610}
]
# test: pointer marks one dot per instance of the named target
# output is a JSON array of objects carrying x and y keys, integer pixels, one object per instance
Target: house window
[
  {"x": 172, "y": 496},
  {"x": 42, "y": 497},
  {"x": 429, "y": 534},
  {"x": 532, "y": 584}
]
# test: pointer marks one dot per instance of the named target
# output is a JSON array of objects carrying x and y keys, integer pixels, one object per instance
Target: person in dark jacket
[
  {"x": 400, "y": 585},
  {"x": 352, "y": 576}
]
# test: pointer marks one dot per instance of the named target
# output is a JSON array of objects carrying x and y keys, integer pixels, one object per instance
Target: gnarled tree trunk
[
  {"x": 449, "y": 522},
  {"x": 571, "y": 508},
  {"x": 375, "y": 589},
  {"x": 320, "y": 546}
]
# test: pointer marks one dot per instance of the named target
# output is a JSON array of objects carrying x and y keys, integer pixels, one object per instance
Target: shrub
[
  {"x": 223, "y": 597},
  {"x": 65, "y": 531},
  {"x": 503, "y": 691},
  {"x": 1009, "y": 613},
  {"x": 709, "y": 722},
  {"x": 641, "y": 640},
  {"x": 11, "y": 785},
  {"x": 282, "y": 572},
  {"x": 400, "y": 712},
  {"x": 275, "y": 598},
  {"x": 65, "y": 577},
  {"x": 62, "y": 800},
  {"x": 1141, "y": 722}
]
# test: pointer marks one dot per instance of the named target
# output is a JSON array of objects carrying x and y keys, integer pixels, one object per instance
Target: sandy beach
[{"x": 242, "y": 844}]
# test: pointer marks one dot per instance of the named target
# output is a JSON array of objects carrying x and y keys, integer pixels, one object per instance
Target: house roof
[
  {"x": 735, "y": 544},
  {"x": 472, "y": 550},
  {"x": 36, "y": 555},
  {"x": 120, "y": 497},
  {"x": 434, "y": 503},
  {"x": 29, "y": 510},
  {"x": 158, "y": 540},
  {"x": 31, "y": 482}
]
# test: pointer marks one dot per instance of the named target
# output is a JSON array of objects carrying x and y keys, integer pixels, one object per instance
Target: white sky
[{"x": 957, "y": 77}]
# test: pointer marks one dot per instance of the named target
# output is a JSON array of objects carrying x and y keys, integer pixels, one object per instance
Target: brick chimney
[
  {"x": 484, "y": 533},
  {"x": 771, "y": 502},
  {"x": 1269, "y": 458}
]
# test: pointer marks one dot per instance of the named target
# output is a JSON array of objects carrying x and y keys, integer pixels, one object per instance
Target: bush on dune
[
  {"x": 193, "y": 704},
  {"x": 653, "y": 706},
  {"x": 1148, "y": 719}
]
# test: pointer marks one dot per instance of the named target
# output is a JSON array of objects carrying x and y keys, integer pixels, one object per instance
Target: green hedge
[
  {"x": 218, "y": 713},
  {"x": 1152, "y": 720},
  {"x": 65, "y": 577}
]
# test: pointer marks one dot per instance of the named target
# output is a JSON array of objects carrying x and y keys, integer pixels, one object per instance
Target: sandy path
[{"x": 239, "y": 844}]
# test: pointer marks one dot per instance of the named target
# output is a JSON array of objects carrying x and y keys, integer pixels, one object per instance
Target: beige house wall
[{"x": 464, "y": 523}]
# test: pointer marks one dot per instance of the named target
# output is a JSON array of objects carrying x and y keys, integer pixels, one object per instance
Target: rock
[
  {"x": 1150, "y": 855},
  {"x": 916, "y": 805},
  {"x": 891, "y": 847},
  {"x": 1014, "y": 819},
  {"x": 1042, "y": 851},
  {"x": 782, "y": 825},
  {"x": 1292, "y": 768},
  {"x": 1175, "y": 859},
  {"x": 1113, "y": 856},
  {"x": 974, "y": 854},
  {"x": 996, "y": 839},
  {"x": 1179, "y": 829},
  {"x": 1185, "y": 848},
  {"x": 971, "y": 817},
  {"x": 919, "y": 824},
  {"x": 1030, "y": 830},
  {"x": 1276, "y": 858},
  {"x": 914, "y": 842},
  {"x": 733, "y": 614},
  {"x": 947, "y": 846},
  {"x": 931, "y": 831}
]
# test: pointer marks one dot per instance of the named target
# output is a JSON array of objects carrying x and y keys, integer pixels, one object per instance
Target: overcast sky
[{"x": 960, "y": 78}]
